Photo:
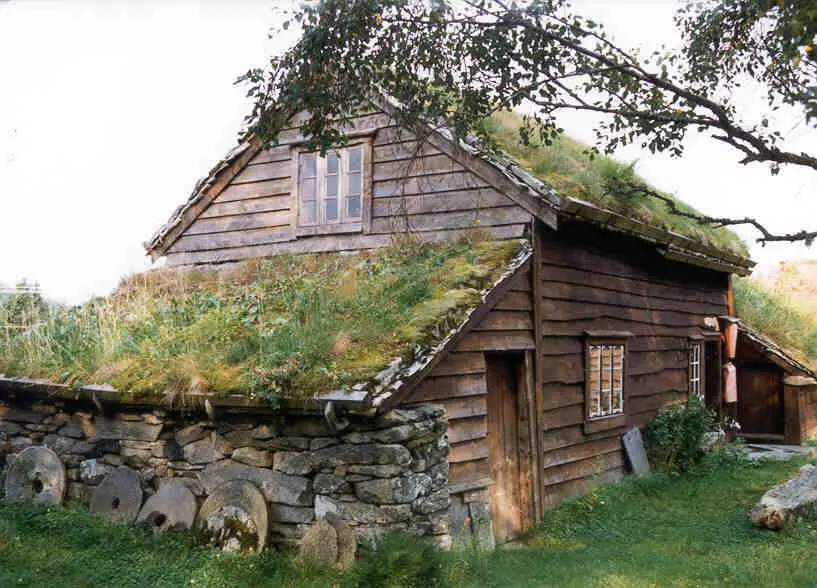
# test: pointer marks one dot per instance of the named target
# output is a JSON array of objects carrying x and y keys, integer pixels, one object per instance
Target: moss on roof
[
  {"x": 284, "y": 326},
  {"x": 568, "y": 167}
]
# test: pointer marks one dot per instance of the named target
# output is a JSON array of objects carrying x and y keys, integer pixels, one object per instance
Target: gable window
[
  {"x": 695, "y": 363},
  {"x": 331, "y": 194},
  {"x": 605, "y": 380}
]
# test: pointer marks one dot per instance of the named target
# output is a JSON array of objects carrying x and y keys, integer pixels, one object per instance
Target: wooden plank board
[
  {"x": 467, "y": 429},
  {"x": 471, "y": 219},
  {"x": 468, "y": 471},
  {"x": 428, "y": 184},
  {"x": 563, "y": 416},
  {"x": 403, "y": 150},
  {"x": 235, "y": 192},
  {"x": 455, "y": 364},
  {"x": 443, "y": 387},
  {"x": 468, "y": 451},
  {"x": 272, "y": 154},
  {"x": 366, "y": 124},
  {"x": 589, "y": 467},
  {"x": 453, "y": 201},
  {"x": 644, "y": 285},
  {"x": 220, "y": 241},
  {"x": 388, "y": 135},
  {"x": 557, "y": 395},
  {"x": 613, "y": 323},
  {"x": 241, "y": 222},
  {"x": 266, "y": 204},
  {"x": 264, "y": 172},
  {"x": 506, "y": 320},
  {"x": 415, "y": 166},
  {"x": 568, "y": 310},
  {"x": 580, "y": 451},
  {"x": 556, "y": 493},
  {"x": 497, "y": 341},
  {"x": 516, "y": 300},
  {"x": 466, "y": 407},
  {"x": 594, "y": 295}
]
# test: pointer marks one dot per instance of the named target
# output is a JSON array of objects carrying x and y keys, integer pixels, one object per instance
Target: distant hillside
[{"x": 796, "y": 280}]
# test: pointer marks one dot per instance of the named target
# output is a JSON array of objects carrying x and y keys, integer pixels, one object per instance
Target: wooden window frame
[
  {"x": 321, "y": 226},
  {"x": 692, "y": 344},
  {"x": 595, "y": 423}
]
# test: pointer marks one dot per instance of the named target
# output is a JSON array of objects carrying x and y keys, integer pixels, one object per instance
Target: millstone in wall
[
  {"x": 35, "y": 474},
  {"x": 119, "y": 496},
  {"x": 235, "y": 516},
  {"x": 172, "y": 508}
]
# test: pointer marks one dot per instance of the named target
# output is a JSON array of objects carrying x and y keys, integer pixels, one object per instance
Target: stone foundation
[{"x": 389, "y": 473}]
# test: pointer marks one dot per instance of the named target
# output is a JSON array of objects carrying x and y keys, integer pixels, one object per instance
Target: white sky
[{"x": 110, "y": 112}]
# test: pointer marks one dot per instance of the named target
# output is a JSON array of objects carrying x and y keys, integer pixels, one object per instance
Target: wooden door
[
  {"x": 760, "y": 401},
  {"x": 712, "y": 375},
  {"x": 508, "y": 452}
]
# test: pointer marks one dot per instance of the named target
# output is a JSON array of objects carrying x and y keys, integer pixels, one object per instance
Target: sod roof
[{"x": 283, "y": 327}]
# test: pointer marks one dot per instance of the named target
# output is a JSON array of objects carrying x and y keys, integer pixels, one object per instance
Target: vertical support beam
[
  {"x": 538, "y": 460},
  {"x": 529, "y": 373}
]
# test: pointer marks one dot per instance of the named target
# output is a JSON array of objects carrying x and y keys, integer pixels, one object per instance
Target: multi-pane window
[
  {"x": 330, "y": 188},
  {"x": 695, "y": 369},
  {"x": 605, "y": 379}
]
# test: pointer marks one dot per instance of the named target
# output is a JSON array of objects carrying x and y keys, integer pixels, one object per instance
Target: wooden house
[{"x": 599, "y": 324}]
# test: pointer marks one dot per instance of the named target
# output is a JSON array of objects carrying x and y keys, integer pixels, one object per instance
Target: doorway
[{"x": 509, "y": 445}]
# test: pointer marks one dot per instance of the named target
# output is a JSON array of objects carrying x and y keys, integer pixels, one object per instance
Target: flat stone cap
[{"x": 800, "y": 381}]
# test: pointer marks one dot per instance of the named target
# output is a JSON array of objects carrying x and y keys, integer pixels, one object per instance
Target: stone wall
[{"x": 378, "y": 475}]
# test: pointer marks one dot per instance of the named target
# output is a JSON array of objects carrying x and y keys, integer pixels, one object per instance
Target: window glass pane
[
  {"x": 331, "y": 163},
  {"x": 353, "y": 206},
  {"x": 331, "y": 186},
  {"x": 307, "y": 190},
  {"x": 355, "y": 159},
  {"x": 332, "y": 209},
  {"x": 308, "y": 212},
  {"x": 354, "y": 183},
  {"x": 309, "y": 165}
]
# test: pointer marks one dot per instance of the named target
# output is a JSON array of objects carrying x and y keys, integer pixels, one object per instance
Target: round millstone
[
  {"x": 172, "y": 508},
  {"x": 227, "y": 513},
  {"x": 119, "y": 496},
  {"x": 35, "y": 474}
]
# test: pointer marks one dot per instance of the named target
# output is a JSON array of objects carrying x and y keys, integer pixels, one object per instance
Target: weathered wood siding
[
  {"x": 591, "y": 280},
  {"x": 459, "y": 383},
  {"x": 414, "y": 188}
]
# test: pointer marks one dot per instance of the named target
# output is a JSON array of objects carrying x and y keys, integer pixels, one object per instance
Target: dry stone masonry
[{"x": 249, "y": 478}]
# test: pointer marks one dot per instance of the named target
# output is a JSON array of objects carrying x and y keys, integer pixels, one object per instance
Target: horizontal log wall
[
  {"x": 459, "y": 383},
  {"x": 415, "y": 188},
  {"x": 590, "y": 280}
]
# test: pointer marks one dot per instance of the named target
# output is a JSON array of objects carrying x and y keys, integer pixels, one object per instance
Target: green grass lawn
[{"x": 689, "y": 530}]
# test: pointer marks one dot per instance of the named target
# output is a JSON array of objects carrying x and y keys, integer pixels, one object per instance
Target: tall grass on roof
[
  {"x": 773, "y": 314},
  {"x": 567, "y": 166},
  {"x": 287, "y": 325}
]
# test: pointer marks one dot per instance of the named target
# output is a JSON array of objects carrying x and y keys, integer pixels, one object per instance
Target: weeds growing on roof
[
  {"x": 566, "y": 164},
  {"x": 288, "y": 325}
]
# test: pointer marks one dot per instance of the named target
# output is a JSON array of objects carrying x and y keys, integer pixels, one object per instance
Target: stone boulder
[
  {"x": 781, "y": 505},
  {"x": 319, "y": 544}
]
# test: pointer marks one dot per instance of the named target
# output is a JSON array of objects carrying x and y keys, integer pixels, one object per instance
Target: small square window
[
  {"x": 605, "y": 380},
  {"x": 331, "y": 194}
]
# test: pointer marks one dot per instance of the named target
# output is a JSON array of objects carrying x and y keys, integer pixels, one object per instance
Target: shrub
[
  {"x": 673, "y": 437},
  {"x": 400, "y": 561}
]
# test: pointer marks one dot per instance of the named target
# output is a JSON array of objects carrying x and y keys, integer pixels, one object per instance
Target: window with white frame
[
  {"x": 695, "y": 369},
  {"x": 605, "y": 378},
  {"x": 331, "y": 188}
]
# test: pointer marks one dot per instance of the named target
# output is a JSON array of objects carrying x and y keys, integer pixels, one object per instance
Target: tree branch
[{"x": 620, "y": 187}]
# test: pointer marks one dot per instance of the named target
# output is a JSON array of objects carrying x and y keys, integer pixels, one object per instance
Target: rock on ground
[{"x": 781, "y": 505}]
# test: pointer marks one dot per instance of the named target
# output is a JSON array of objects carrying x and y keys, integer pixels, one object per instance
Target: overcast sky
[{"x": 110, "y": 112}]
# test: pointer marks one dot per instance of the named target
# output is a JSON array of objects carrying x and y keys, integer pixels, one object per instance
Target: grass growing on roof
[
  {"x": 567, "y": 166},
  {"x": 287, "y": 325},
  {"x": 773, "y": 314}
]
